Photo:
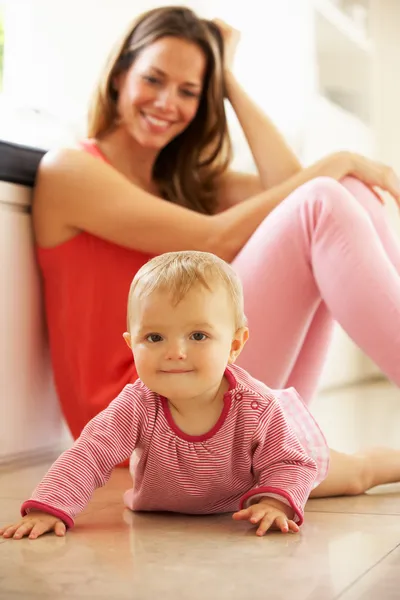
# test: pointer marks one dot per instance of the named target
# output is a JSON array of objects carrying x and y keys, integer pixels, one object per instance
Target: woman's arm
[
  {"x": 77, "y": 192},
  {"x": 276, "y": 163},
  {"x": 274, "y": 159}
]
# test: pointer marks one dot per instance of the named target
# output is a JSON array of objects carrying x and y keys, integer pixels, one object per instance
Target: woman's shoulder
[
  {"x": 61, "y": 174},
  {"x": 62, "y": 169},
  {"x": 81, "y": 152}
]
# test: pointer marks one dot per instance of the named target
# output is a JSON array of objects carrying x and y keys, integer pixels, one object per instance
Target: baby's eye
[
  {"x": 197, "y": 336},
  {"x": 153, "y": 338}
]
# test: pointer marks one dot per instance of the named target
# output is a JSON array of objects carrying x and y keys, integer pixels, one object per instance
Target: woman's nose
[{"x": 165, "y": 99}]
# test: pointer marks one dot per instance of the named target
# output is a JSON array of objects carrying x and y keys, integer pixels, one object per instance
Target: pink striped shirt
[{"x": 252, "y": 451}]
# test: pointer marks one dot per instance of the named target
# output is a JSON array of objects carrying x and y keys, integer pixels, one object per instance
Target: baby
[{"x": 203, "y": 435}]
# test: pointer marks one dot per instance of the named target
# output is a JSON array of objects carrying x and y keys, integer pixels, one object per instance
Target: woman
[{"x": 153, "y": 176}]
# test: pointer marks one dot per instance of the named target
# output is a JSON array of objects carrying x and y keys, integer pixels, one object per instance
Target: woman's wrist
[
  {"x": 230, "y": 82},
  {"x": 336, "y": 165},
  {"x": 345, "y": 163}
]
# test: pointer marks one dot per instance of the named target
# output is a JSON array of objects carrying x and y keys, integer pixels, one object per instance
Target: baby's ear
[
  {"x": 127, "y": 338},
  {"x": 241, "y": 337}
]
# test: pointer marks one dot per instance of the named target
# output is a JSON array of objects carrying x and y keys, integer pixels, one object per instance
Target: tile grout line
[
  {"x": 360, "y": 577},
  {"x": 342, "y": 512}
]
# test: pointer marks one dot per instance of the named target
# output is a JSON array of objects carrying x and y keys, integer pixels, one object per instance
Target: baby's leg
[{"x": 353, "y": 474}]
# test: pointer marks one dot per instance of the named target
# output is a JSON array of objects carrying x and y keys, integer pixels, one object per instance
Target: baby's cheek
[
  {"x": 144, "y": 361},
  {"x": 216, "y": 360}
]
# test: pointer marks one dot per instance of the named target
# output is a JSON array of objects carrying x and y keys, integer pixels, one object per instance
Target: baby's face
[{"x": 181, "y": 351}]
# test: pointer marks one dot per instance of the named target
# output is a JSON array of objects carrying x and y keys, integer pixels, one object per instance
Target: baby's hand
[
  {"x": 34, "y": 524},
  {"x": 270, "y": 514}
]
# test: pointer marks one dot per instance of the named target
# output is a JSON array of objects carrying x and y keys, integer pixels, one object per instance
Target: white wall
[
  {"x": 386, "y": 92},
  {"x": 54, "y": 51}
]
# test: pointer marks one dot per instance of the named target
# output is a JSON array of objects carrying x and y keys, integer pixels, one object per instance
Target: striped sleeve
[
  {"x": 107, "y": 440},
  {"x": 281, "y": 467}
]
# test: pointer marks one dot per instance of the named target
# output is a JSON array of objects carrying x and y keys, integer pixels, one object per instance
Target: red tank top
[{"x": 86, "y": 284}]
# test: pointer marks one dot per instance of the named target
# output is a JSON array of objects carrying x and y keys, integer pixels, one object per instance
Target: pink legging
[{"x": 325, "y": 253}]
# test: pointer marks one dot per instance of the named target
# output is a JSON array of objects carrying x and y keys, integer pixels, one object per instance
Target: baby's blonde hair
[{"x": 177, "y": 272}]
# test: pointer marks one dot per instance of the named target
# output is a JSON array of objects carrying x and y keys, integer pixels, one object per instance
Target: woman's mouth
[{"x": 155, "y": 124}]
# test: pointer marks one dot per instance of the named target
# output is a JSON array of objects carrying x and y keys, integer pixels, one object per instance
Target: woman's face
[{"x": 160, "y": 94}]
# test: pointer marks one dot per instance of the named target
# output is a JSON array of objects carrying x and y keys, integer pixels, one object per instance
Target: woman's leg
[
  {"x": 379, "y": 217},
  {"x": 320, "y": 244},
  {"x": 353, "y": 474},
  {"x": 307, "y": 369}
]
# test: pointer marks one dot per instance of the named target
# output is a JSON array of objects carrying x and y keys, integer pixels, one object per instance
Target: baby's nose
[{"x": 176, "y": 351}]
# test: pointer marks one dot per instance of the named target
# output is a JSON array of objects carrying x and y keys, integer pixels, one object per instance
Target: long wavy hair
[{"x": 187, "y": 167}]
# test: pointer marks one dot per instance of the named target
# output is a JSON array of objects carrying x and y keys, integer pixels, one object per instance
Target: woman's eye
[
  {"x": 189, "y": 94},
  {"x": 153, "y": 338},
  {"x": 151, "y": 79},
  {"x": 198, "y": 336}
]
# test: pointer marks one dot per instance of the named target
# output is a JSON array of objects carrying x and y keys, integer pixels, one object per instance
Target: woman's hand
[
  {"x": 374, "y": 174},
  {"x": 231, "y": 38},
  {"x": 34, "y": 524}
]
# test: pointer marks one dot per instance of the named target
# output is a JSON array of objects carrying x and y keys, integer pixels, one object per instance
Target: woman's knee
[
  {"x": 327, "y": 188},
  {"x": 364, "y": 195},
  {"x": 348, "y": 193},
  {"x": 326, "y": 195}
]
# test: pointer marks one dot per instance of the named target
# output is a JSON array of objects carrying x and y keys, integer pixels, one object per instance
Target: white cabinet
[{"x": 30, "y": 418}]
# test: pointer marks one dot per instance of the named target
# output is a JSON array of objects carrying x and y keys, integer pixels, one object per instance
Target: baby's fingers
[
  {"x": 252, "y": 514},
  {"x": 258, "y": 514},
  {"x": 285, "y": 525},
  {"x": 282, "y": 523},
  {"x": 293, "y": 526},
  {"x": 4, "y": 529},
  {"x": 44, "y": 525},
  {"x": 60, "y": 528},
  {"x": 9, "y": 530},
  {"x": 266, "y": 523},
  {"x": 21, "y": 529},
  {"x": 39, "y": 529},
  {"x": 242, "y": 515}
]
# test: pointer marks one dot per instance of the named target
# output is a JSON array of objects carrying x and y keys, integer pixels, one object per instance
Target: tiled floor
[{"x": 348, "y": 548}]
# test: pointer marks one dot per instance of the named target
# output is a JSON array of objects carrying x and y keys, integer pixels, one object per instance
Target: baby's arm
[
  {"x": 283, "y": 472},
  {"x": 67, "y": 487}
]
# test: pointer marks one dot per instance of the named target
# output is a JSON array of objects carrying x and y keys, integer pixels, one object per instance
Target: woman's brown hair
[{"x": 186, "y": 169}]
